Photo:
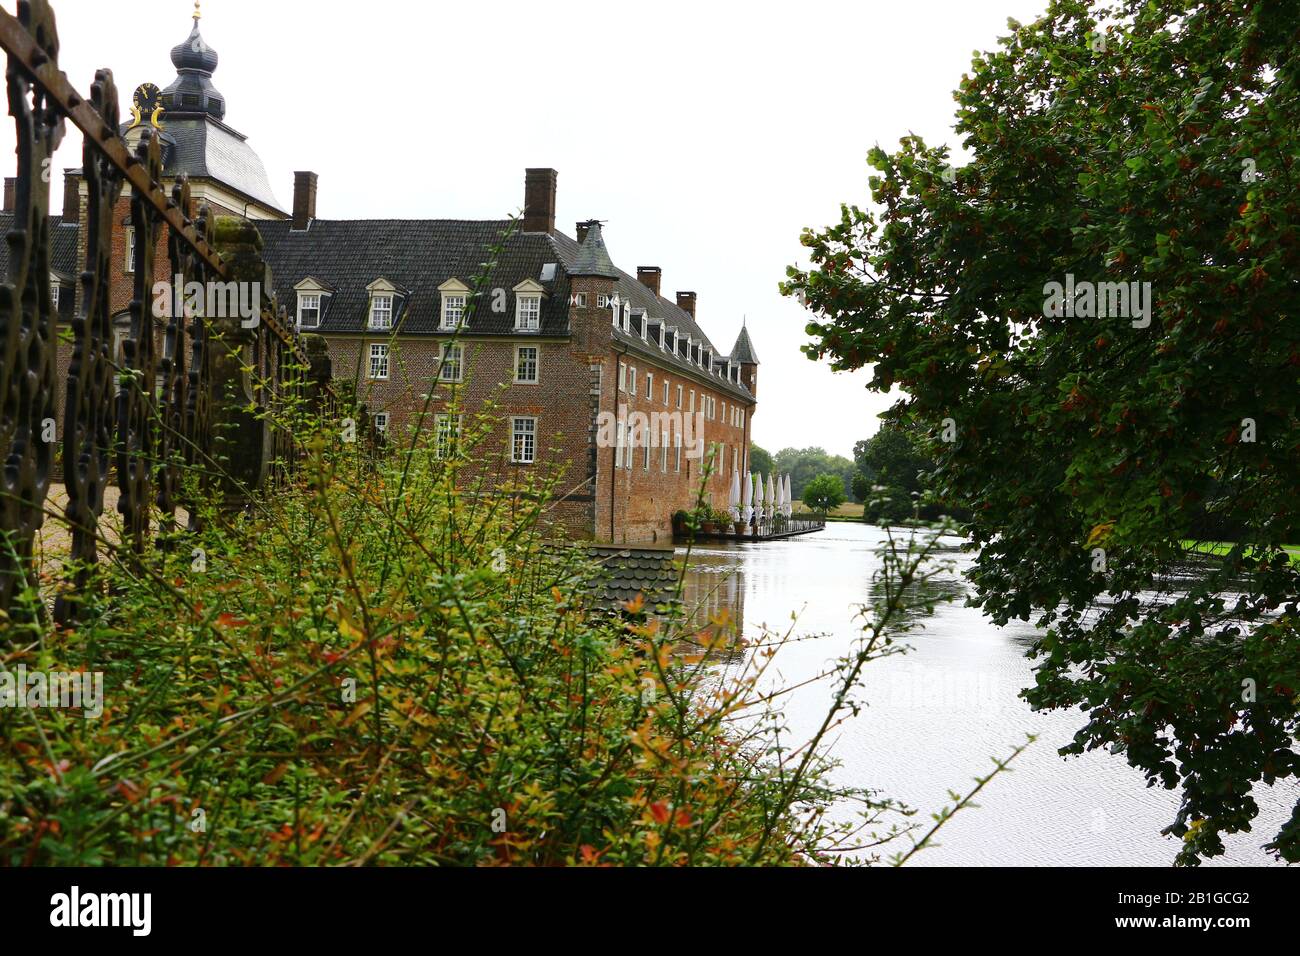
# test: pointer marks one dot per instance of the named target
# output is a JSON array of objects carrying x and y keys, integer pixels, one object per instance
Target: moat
[{"x": 936, "y": 715}]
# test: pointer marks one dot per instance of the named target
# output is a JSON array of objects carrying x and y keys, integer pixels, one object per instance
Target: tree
[
  {"x": 1096, "y": 324},
  {"x": 824, "y": 493},
  {"x": 891, "y": 456},
  {"x": 805, "y": 464},
  {"x": 760, "y": 461}
]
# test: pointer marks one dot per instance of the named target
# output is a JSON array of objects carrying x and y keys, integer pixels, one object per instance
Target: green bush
[{"x": 386, "y": 664}]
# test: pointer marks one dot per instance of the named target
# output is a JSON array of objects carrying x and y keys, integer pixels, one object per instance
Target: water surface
[{"x": 937, "y": 714}]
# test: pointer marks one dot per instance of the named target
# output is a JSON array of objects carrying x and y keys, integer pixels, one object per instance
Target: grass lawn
[
  {"x": 846, "y": 510},
  {"x": 1223, "y": 547}
]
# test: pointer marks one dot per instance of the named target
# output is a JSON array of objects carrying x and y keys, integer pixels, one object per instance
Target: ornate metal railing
[{"x": 184, "y": 406}]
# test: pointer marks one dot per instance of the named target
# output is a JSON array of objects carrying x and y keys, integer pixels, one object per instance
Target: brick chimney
[
  {"x": 580, "y": 230},
  {"x": 71, "y": 195},
  {"x": 649, "y": 277},
  {"x": 539, "y": 200},
  {"x": 11, "y": 193},
  {"x": 304, "y": 199},
  {"x": 686, "y": 302}
]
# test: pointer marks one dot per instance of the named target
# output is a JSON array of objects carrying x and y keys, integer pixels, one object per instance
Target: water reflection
[{"x": 934, "y": 716}]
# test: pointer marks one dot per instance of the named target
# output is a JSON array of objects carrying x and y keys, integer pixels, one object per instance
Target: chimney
[
  {"x": 581, "y": 229},
  {"x": 304, "y": 199},
  {"x": 649, "y": 277},
  {"x": 686, "y": 302},
  {"x": 539, "y": 200},
  {"x": 71, "y": 195},
  {"x": 11, "y": 193}
]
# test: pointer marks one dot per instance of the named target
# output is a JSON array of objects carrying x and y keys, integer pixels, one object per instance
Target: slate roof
[
  {"x": 657, "y": 310},
  {"x": 417, "y": 256},
  {"x": 205, "y": 147},
  {"x": 625, "y": 572},
  {"x": 743, "y": 350},
  {"x": 593, "y": 258},
  {"x": 63, "y": 257}
]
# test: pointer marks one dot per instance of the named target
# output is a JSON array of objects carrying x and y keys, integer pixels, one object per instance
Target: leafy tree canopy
[
  {"x": 805, "y": 464},
  {"x": 760, "y": 460},
  {"x": 1136, "y": 142},
  {"x": 824, "y": 493}
]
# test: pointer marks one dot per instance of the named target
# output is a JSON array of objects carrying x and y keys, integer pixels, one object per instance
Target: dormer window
[
  {"x": 381, "y": 304},
  {"x": 54, "y": 296},
  {"x": 308, "y": 310},
  {"x": 643, "y": 324},
  {"x": 528, "y": 306},
  {"x": 455, "y": 295},
  {"x": 311, "y": 302},
  {"x": 662, "y": 335},
  {"x": 381, "y": 311}
]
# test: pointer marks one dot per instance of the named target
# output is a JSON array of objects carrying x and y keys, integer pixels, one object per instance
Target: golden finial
[{"x": 197, "y": 13}]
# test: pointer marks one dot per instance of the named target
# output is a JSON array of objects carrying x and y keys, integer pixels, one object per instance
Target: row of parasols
[{"x": 752, "y": 500}]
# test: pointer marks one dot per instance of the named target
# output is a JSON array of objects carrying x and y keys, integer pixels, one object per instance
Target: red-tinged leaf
[{"x": 659, "y": 811}]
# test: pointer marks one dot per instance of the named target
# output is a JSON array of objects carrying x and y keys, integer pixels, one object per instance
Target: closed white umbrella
[
  {"x": 780, "y": 495},
  {"x": 733, "y": 499},
  {"x": 789, "y": 499},
  {"x": 747, "y": 511},
  {"x": 769, "y": 498},
  {"x": 758, "y": 497}
]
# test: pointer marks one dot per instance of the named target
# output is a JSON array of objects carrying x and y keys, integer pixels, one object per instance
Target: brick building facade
[{"x": 566, "y": 363}]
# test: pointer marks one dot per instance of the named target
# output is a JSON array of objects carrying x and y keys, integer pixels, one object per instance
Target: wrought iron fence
[{"x": 195, "y": 404}]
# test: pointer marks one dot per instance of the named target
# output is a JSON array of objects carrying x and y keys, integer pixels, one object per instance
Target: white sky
[{"x": 705, "y": 134}]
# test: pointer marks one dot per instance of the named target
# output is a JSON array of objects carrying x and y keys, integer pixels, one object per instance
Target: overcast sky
[{"x": 705, "y": 135}]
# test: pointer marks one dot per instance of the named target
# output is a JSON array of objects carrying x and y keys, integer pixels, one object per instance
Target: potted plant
[{"x": 708, "y": 520}]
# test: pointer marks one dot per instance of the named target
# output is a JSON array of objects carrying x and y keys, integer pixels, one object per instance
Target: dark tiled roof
[
  {"x": 417, "y": 256},
  {"x": 205, "y": 147},
  {"x": 593, "y": 258},
  {"x": 655, "y": 307},
  {"x": 625, "y": 572},
  {"x": 743, "y": 350},
  {"x": 63, "y": 257}
]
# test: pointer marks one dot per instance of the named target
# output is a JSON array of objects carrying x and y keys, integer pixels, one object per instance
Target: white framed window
[
  {"x": 381, "y": 310},
  {"x": 523, "y": 445},
  {"x": 622, "y": 376},
  {"x": 130, "y": 249},
  {"x": 446, "y": 431},
  {"x": 526, "y": 364},
  {"x": 679, "y": 396},
  {"x": 455, "y": 296},
  {"x": 620, "y": 444},
  {"x": 724, "y": 411},
  {"x": 602, "y": 302},
  {"x": 578, "y": 300},
  {"x": 453, "y": 311},
  {"x": 308, "y": 310},
  {"x": 378, "y": 360},
  {"x": 381, "y": 421},
  {"x": 450, "y": 364},
  {"x": 663, "y": 453},
  {"x": 528, "y": 312},
  {"x": 650, "y": 385},
  {"x": 645, "y": 464},
  {"x": 692, "y": 408},
  {"x": 631, "y": 380},
  {"x": 678, "y": 467},
  {"x": 54, "y": 296}
]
